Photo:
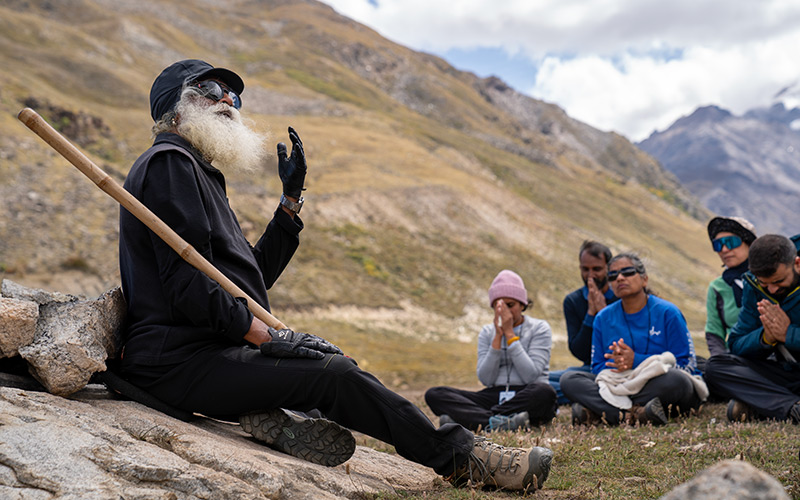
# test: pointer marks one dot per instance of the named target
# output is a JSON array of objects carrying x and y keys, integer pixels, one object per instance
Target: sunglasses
[
  {"x": 729, "y": 241},
  {"x": 215, "y": 90},
  {"x": 625, "y": 271}
]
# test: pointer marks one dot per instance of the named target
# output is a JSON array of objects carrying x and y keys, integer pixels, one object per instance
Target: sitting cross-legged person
[
  {"x": 761, "y": 375},
  {"x": 643, "y": 361},
  {"x": 513, "y": 360}
]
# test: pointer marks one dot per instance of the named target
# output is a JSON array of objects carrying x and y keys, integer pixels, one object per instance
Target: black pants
[
  {"x": 226, "y": 382},
  {"x": 473, "y": 409},
  {"x": 769, "y": 387},
  {"x": 675, "y": 390}
]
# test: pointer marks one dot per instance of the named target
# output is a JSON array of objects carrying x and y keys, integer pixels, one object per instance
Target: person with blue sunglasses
[{"x": 731, "y": 238}]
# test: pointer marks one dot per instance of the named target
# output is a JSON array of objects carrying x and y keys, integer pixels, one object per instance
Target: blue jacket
[
  {"x": 745, "y": 339},
  {"x": 659, "y": 327}
]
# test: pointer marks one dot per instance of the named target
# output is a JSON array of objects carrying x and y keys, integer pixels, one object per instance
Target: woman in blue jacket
[{"x": 626, "y": 334}]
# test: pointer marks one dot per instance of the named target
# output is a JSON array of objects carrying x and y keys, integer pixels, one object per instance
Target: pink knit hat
[{"x": 508, "y": 284}]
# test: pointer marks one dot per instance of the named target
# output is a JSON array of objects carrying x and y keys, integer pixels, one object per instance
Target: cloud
[
  {"x": 626, "y": 65},
  {"x": 635, "y": 95}
]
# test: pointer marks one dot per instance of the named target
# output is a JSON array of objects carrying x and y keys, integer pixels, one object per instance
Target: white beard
[{"x": 219, "y": 134}]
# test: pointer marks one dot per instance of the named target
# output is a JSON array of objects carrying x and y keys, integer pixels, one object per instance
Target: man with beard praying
[
  {"x": 760, "y": 373},
  {"x": 191, "y": 344},
  {"x": 580, "y": 308}
]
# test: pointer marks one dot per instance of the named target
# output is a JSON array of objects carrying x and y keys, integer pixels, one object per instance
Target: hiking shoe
[
  {"x": 316, "y": 440},
  {"x": 652, "y": 412},
  {"x": 582, "y": 415},
  {"x": 445, "y": 419},
  {"x": 508, "y": 423},
  {"x": 495, "y": 466},
  {"x": 740, "y": 412}
]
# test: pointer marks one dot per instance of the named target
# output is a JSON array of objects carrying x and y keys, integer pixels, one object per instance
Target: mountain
[
  {"x": 424, "y": 181},
  {"x": 737, "y": 165}
]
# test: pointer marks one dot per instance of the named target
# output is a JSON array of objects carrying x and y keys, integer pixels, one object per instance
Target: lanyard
[{"x": 508, "y": 367}]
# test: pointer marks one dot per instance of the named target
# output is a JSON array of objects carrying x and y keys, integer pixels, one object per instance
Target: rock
[
  {"x": 732, "y": 480},
  {"x": 73, "y": 340},
  {"x": 92, "y": 447},
  {"x": 16, "y": 291},
  {"x": 17, "y": 325}
]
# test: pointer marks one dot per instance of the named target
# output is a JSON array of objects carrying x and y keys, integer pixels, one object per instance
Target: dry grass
[{"x": 639, "y": 462}]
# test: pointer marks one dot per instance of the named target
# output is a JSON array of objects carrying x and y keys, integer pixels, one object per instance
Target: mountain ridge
[{"x": 746, "y": 165}]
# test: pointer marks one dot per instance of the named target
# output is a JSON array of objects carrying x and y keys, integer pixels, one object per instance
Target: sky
[{"x": 629, "y": 66}]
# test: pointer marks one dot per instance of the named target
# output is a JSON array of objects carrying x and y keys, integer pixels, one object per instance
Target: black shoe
[
  {"x": 794, "y": 413},
  {"x": 583, "y": 416},
  {"x": 741, "y": 412},
  {"x": 315, "y": 440},
  {"x": 654, "y": 411}
]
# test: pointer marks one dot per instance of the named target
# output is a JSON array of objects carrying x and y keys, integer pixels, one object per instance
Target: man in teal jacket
[{"x": 761, "y": 374}]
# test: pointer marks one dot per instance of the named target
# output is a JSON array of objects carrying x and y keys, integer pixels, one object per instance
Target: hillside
[
  {"x": 737, "y": 165},
  {"x": 424, "y": 181}
]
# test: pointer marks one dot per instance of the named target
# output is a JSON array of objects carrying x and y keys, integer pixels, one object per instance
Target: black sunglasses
[
  {"x": 215, "y": 90},
  {"x": 729, "y": 241},
  {"x": 625, "y": 271}
]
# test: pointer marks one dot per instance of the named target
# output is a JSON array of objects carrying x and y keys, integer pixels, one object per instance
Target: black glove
[
  {"x": 292, "y": 169},
  {"x": 286, "y": 343}
]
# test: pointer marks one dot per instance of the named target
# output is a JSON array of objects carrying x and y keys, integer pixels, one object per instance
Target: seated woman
[
  {"x": 642, "y": 357},
  {"x": 513, "y": 361},
  {"x": 731, "y": 238}
]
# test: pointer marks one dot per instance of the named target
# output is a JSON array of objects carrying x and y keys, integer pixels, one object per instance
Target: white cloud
[{"x": 625, "y": 65}]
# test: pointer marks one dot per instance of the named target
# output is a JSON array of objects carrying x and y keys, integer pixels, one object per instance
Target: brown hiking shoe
[
  {"x": 582, "y": 415},
  {"x": 652, "y": 412},
  {"x": 495, "y": 466},
  {"x": 316, "y": 440}
]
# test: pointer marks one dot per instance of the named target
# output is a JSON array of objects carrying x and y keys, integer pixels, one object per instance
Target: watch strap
[{"x": 291, "y": 205}]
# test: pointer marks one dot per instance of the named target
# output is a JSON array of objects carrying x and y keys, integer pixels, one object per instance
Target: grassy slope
[
  {"x": 409, "y": 217},
  {"x": 408, "y": 212}
]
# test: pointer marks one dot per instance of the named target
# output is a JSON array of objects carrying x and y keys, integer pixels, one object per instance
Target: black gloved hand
[
  {"x": 292, "y": 170},
  {"x": 286, "y": 343},
  {"x": 320, "y": 344}
]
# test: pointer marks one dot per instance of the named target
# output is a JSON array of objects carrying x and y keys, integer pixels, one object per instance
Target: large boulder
[
  {"x": 91, "y": 446},
  {"x": 73, "y": 338},
  {"x": 731, "y": 480}
]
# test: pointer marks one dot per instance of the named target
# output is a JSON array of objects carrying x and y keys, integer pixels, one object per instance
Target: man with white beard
[{"x": 191, "y": 344}]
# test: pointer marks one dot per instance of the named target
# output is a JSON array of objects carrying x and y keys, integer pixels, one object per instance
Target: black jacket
[
  {"x": 174, "y": 309},
  {"x": 580, "y": 323}
]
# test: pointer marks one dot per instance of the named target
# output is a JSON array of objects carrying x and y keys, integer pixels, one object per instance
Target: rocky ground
[{"x": 93, "y": 446}]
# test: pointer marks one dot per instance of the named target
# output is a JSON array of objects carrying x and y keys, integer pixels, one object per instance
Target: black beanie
[
  {"x": 166, "y": 90},
  {"x": 736, "y": 225}
]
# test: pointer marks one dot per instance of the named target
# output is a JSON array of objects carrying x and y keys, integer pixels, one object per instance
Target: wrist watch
[{"x": 291, "y": 205}]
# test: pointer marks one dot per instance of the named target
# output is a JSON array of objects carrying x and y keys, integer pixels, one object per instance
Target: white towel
[{"x": 617, "y": 387}]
